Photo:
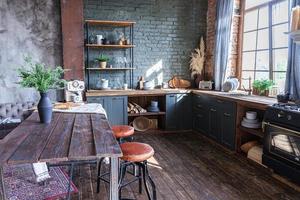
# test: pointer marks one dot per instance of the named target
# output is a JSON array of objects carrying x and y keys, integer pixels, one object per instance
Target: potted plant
[
  {"x": 102, "y": 59},
  {"x": 197, "y": 62},
  {"x": 42, "y": 79},
  {"x": 261, "y": 87}
]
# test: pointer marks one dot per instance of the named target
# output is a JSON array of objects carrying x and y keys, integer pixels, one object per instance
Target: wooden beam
[{"x": 73, "y": 38}]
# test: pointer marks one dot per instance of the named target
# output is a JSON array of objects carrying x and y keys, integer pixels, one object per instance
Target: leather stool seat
[
  {"x": 136, "y": 152},
  {"x": 122, "y": 131}
]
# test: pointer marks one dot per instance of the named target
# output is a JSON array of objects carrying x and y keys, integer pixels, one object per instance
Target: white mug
[
  {"x": 125, "y": 86},
  {"x": 99, "y": 39}
]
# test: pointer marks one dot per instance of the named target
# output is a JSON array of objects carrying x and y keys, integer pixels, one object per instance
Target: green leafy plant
[
  {"x": 262, "y": 85},
  {"x": 40, "y": 77},
  {"x": 102, "y": 58}
]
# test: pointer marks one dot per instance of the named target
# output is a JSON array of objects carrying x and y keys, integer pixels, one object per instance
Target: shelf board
[
  {"x": 109, "y": 23},
  {"x": 110, "y": 69},
  {"x": 146, "y": 114},
  {"x": 109, "y": 46},
  {"x": 257, "y": 132}
]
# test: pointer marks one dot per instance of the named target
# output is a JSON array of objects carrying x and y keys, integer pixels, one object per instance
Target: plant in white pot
[
  {"x": 197, "y": 62},
  {"x": 41, "y": 78},
  {"x": 102, "y": 59}
]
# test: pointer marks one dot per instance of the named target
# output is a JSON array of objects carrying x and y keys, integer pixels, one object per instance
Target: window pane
[
  {"x": 280, "y": 12},
  {"x": 263, "y": 20},
  {"x": 280, "y": 39},
  {"x": 250, "y": 22},
  {"x": 248, "y": 60},
  {"x": 249, "y": 41},
  {"x": 280, "y": 57},
  {"x": 262, "y": 60},
  {"x": 279, "y": 80},
  {"x": 252, "y": 3},
  {"x": 245, "y": 75},
  {"x": 261, "y": 75},
  {"x": 263, "y": 39}
]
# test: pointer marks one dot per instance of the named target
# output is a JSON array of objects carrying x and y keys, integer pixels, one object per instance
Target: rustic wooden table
[{"x": 69, "y": 139}]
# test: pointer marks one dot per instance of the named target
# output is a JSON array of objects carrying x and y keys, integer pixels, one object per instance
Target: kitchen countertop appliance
[
  {"x": 74, "y": 91},
  {"x": 281, "y": 150}
]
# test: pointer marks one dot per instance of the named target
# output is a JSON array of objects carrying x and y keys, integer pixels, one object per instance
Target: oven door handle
[{"x": 279, "y": 127}]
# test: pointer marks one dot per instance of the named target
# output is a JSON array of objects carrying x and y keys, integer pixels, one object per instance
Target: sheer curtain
[
  {"x": 222, "y": 45},
  {"x": 292, "y": 84}
]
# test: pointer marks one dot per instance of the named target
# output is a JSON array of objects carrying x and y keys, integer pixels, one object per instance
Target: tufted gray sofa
[{"x": 15, "y": 111}]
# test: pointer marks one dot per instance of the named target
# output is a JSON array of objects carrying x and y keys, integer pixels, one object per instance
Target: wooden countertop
[{"x": 250, "y": 101}]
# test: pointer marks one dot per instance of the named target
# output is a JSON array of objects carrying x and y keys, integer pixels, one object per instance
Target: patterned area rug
[{"x": 20, "y": 184}]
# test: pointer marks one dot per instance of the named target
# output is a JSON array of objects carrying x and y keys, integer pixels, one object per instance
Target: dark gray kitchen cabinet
[
  {"x": 115, "y": 107},
  {"x": 216, "y": 118},
  {"x": 200, "y": 114},
  {"x": 178, "y": 112}
]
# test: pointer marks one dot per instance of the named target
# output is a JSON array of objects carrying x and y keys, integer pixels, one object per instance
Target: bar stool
[
  {"x": 120, "y": 132},
  {"x": 137, "y": 154}
]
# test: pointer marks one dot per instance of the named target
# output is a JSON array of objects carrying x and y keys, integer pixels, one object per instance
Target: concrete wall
[
  {"x": 27, "y": 27},
  {"x": 165, "y": 33}
]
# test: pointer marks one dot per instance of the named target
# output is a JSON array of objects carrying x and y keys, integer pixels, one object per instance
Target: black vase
[{"x": 45, "y": 108}]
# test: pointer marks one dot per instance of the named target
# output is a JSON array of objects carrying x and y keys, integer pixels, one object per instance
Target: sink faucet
[{"x": 249, "y": 90}]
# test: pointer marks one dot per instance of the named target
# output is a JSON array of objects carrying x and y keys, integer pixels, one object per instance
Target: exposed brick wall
[
  {"x": 165, "y": 34},
  {"x": 210, "y": 41}
]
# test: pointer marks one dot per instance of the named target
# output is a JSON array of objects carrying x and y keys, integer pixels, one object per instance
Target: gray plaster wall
[
  {"x": 27, "y": 27},
  {"x": 165, "y": 34}
]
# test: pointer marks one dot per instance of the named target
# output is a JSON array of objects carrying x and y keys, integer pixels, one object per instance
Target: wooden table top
[{"x": 69, "y": 137}]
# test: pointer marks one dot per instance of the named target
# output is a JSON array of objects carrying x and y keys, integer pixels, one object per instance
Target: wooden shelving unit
[
  {"x": 257, "y": 132},
  {"x": 109, "y": 23},
  {"x": 110, "y": 69},
  {"x": 146, "y": 114},
  {"x": 109, "y": 46},
  {"x": 126, "y": 49}
]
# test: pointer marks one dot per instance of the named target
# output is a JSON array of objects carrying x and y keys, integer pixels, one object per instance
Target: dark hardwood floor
[{"x": 189, "y": 166}]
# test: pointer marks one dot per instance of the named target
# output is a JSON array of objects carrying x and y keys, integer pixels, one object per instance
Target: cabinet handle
[
  {"x": 213, "y": 110},
  {"x": 199, "y": 106},
  {"x": 227, "y": 114},
  {"x": 220, "y": 101},
  {"x": 171, "y": 95}
]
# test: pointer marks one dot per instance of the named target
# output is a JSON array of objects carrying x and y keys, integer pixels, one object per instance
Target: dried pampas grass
[{"x": 197, "y": 59}]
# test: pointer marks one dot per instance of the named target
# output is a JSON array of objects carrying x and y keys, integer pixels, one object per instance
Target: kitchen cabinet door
[
  {"x": 115, "y": 107},
  {"x": 228, "y": 123},
  {"x": 200, "y": 114},
  {"x": 184, "y": 111},
  {"x": 118, "y": 110},
  {"x": 171, "y": 114},
  {"x": 214, "y": 123},
  {"x": 228, "y": 130}
]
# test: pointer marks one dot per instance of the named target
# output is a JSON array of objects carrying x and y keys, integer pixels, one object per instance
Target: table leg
[
  {"x": 70, "y": 181},
  {"x": 114, "y": 179},
  {"x": 2, "y": 197}
]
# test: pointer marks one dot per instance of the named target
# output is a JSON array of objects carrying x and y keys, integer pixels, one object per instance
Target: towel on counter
[{"x": 84, "y": 108}]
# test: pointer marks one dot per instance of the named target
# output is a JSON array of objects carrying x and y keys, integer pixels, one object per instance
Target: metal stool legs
[{"x": 143, "y": 175}]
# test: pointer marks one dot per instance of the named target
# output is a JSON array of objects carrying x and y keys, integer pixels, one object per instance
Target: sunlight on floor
[{"x": 154, "y": 163}]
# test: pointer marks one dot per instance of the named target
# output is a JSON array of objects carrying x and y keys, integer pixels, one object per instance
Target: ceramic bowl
[{"x": 251, "y": 115}]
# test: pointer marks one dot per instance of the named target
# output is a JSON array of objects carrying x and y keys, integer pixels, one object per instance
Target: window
[{"x": 265, "y": 42}]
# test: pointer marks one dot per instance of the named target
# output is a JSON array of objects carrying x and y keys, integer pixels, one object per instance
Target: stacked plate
[
  {"x": 251, "y": 121},
  {"x": 153, "y": 107}
]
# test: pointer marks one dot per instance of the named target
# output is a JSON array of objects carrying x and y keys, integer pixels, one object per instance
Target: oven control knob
[
  {"x": 280, "y": 115},
  {"x": 289, "y": 117}
]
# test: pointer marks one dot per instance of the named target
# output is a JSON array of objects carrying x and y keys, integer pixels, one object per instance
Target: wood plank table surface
[{"x": 69, "y": 138}]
